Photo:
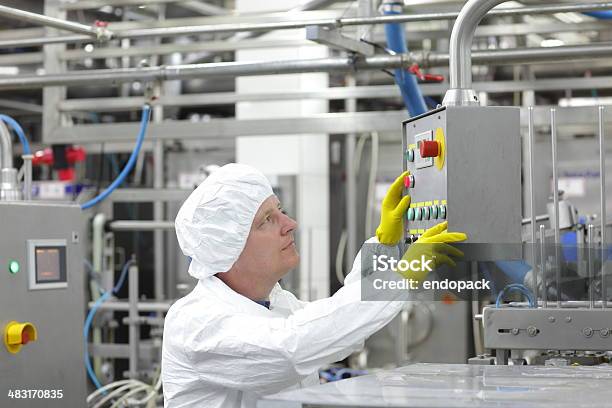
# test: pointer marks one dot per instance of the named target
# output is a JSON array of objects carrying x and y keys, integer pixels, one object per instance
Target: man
[{"x": 238, "y": 335}]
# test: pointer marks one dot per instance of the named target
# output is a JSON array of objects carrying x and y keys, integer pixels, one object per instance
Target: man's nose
[{"x": 289, "y": 225}]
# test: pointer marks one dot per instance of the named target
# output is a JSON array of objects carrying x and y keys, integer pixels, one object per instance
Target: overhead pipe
[
  {"x": 329, "y": 22},
  {"x": 341, "y": 64},
  {"x": 460, "y": 92},
  {"x": 396, "y": 42},
  {"x": 97, "y": 32}
]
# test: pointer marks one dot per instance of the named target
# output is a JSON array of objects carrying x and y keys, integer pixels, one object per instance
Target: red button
[
  {"x": 429, "y": 148},
  {"x": 25, "y": 338},
  {"x": 407, "y": 181}
]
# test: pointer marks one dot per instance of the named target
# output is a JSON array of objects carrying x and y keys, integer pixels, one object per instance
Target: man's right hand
[{"x": 432, "y": 249}]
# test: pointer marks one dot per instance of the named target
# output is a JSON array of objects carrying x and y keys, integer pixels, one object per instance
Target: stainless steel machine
[{"x": 42, "y": 293}]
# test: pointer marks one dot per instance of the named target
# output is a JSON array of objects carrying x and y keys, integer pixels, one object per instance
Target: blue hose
[
  {"x": 89, "y": 320},
  {"x": 20, "y": 133},
  {"x": 602, "y": 15},
  {"x": 515, "y": 287},
  {"x": 396, "y": 41},
  {"x": 146, "y": 113}
]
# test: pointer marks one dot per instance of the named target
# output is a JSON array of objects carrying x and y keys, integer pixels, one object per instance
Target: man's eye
[{"x": 283, "y": 211}]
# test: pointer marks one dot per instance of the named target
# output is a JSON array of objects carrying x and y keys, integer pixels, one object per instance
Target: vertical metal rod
[
  {"x": 553, "y": 131},
  {"x": 158, "y": 206},
  {"x": 134, "y": 328},
  {"x": 534, "y": 238},
  {"x": 543, "y": 265},
  {"x": 602, "y": 204},
  {"x": 351, "y": 185},
  {"x": 27, "y": 176},
  {"x": 590, "y": 265}
]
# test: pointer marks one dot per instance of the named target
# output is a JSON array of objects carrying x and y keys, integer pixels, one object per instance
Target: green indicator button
[{"x": 13, "y": 266}]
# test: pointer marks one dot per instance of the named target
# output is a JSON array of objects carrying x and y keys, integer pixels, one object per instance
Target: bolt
[
  {"x": 515, "y": 331},
  {"x": 568, "y": 319},
  {"x": 604, "y": 332},
  {"x": 532, "y": 331},
  {"x": 587, "y": 331},
  {"x": 551, "y": 319}
]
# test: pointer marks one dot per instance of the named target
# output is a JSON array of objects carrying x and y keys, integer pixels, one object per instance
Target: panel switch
[{"x": 429, "y": 148}]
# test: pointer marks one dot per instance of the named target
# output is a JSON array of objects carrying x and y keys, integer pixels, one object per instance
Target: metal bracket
[
  {"x": 545, "y": 329},
  {"x": 332, "y": 38}
]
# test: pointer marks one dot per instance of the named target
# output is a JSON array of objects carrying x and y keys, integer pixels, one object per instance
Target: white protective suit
[{"x": 221, "y": 349}]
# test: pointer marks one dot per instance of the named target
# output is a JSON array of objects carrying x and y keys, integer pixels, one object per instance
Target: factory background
[{"x": 113, "y": 111}]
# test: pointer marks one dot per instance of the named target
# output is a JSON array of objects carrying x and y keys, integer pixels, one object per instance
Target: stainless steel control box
[
  {"x": 42, "y": 283},
  {"x": 472, "y": 180}
]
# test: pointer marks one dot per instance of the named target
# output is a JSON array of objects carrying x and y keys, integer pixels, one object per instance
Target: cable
[
  {"x": 89, "y": 320},
  {"x": 20, "y": 133},
  {"x": 115, "y": 393},
  {"x": 517, "y": 287},
  {"x": 146, "y": 114},
  {"x": 104, "y": 388},
  {"x": 129, "y": 394}
]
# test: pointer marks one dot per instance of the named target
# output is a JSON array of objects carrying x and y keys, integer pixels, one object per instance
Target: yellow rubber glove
[
  {"x": 391, "y": 228},
  {"x": 431, "y": 250}
]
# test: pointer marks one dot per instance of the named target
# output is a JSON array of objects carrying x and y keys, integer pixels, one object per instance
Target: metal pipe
[
  {"x": 99, "y": 33},
  {"x": 460, "y": 49},
  {"x": 6, "y": 147},
  {"x": 351, "y": 185},
  {"x": 144, "y": 307},
  {"x": 539, "y": 218},
  {"x": 234, "y": 69},
  {"x": 590, "y": 229},
  {"x": 553, "y": 133},
  {"x": 534, "y": 238},
  {"x": 27, "y": 176},
  {"x": 134, "y": 328},
  {"x": 543, "y": 265},
  {"x": 602, "y": 202},
  {"x": 329, "y": 22},
  {"x": 140, "y": 225}
]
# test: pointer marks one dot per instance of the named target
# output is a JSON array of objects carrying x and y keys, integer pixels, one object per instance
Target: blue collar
[{"x": 264, "y": 303}]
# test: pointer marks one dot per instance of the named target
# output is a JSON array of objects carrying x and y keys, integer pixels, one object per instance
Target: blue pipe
[
  {"x": 602, "y": 15},
  {"x": 13, "y": 123},
  {"x": 144, "y": 121},
  {"x": 396, "y": 42}
]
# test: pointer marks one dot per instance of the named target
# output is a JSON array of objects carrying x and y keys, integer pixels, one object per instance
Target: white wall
[{"x": 304, "y": 156}]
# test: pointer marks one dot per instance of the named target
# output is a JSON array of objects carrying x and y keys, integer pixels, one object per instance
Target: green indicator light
[{"x": 13, "y": 266}]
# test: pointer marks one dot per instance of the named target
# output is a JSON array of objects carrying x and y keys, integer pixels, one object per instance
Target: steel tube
[
  {"x": 140, "y": 225},
  {"x": 27, "y": 176},
  {"x": 543, "y": 265},
  {"x": 590, "y": 265},
  {"x": 6, "y": 147},
  {"x": 534, "y": 238},
  {"x": 538, "y": 218},
  {"x": 233, "y": 69},
  {"x": 134, "y": 328},
  {"x": 602, "y": 202},
  {"x": 555, "y": 164},
  {"x": 329, "y": 22},
  {"x": 144, "y": 307},
  {"x": 461, "y": 41},
  {"x": 29, "y": 17}
]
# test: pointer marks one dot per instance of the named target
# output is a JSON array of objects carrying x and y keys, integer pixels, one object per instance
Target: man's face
[{"x": 270, "y": 250}]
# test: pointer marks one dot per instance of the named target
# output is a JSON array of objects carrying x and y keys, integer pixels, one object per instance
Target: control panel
[
  {"x": 43, "y": 293},
  {"x": 464, "y": 167}
]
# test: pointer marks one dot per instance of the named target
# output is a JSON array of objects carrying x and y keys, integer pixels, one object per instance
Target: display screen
[{"x": 50, "y": 264}]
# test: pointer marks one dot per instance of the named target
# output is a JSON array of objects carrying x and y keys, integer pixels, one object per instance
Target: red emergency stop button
[
  {"x": 17, "y": 335},
  {"x": 429, "y": 148}
]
